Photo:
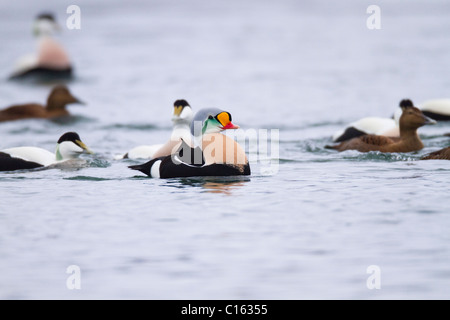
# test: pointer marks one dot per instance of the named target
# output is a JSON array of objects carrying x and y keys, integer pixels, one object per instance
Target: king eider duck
[
  {"x": 181, "y": 121},
  {"x": 438, "y": 109},
  {"x": 51, "y": 61},
  {"x": 370, "y": 125},
  {"x": 215, "y": 153},
  {"x": 57, "y": 101},
  {"x": 69, "y": 147},
  {"x": 411, "y": 119}
]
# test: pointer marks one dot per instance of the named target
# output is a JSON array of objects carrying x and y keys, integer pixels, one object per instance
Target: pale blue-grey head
[{"x": 211, "y": 120}]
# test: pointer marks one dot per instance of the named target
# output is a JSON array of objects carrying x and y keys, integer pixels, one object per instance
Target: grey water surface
[{"x": 307, "y": 224}]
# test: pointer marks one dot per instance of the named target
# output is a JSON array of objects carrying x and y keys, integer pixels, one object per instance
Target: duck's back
[
  {"x": 32, "y": 154},
  {"x": 25, "y": 111},
  {"x": 366, "y": 143},
  {"x": 369, "y": 142}
]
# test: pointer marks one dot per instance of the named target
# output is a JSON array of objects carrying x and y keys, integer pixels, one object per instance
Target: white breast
[
  {"x": 25, "y": 63},
  {"x": 32, "y": 154},
  {"x": 51, "y": 54},
  {"x": 218, "y": 148}
]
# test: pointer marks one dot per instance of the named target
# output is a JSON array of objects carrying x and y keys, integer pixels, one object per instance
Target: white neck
[
  {"x": 180, "y": 125},
  {"x": 44, "y": 28},
  {"x": 181, "y": 132},
  {"x": 67, "y": 151}
]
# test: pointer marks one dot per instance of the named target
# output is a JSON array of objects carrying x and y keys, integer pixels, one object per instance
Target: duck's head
[
  {"x": 211, "y": 120},
  {"x": 59, "y": 97},
  {"x": 412, "y": 118},
  {"x": 45, "y": 24},
  {"x": 70, "y": 146},
  {"x": 182, "y": 112}
]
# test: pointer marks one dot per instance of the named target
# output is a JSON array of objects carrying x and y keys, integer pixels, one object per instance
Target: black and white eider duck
[
  {"x": 215, "y": 154},
  {"x": 57, "y": 100},
  {"x": 437, "y": 109},
  {"x": 51, "y": 62},
  {"x": 69, "y": 147},
  {"x": 370, "y": 125},
  {"x": 181, "y": 121}
]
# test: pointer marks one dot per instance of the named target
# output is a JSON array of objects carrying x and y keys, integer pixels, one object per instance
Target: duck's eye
[{"x": 210, "y": 117}]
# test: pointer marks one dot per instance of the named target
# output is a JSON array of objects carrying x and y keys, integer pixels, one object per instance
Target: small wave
[
  {"x": 305, "y": 126},
  {"x": 86, "y": 178},
  {"x": 40, "y": 126},
  {"x": 309, "y": 145},
  {"x": 286, "y": 160},
  {"x": 132, "y": 126},
  {"x": 72, "y": 119},
  {"x": 98, "y": 163},
  {"x": 380, "y": 156}
]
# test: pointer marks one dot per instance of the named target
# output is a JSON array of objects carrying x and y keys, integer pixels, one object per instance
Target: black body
[{"x": 8, "y": 163}]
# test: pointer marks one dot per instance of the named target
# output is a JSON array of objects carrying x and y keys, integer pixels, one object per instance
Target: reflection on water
[{"x": 224, "y": 185}]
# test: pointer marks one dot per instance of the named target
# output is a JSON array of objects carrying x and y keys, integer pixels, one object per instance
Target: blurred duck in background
[
  {"x": 411, "y": 119},
  {"x": 388, "y": 127},
  {"x": 438, "y": 109},
  {"x": 443, "y": 154},
  {"x": 51, "y": 62},
  {"x": 181, "y": 122},
  {"x": 69, "y": 147},
  {"x": 57, "y": 101}
]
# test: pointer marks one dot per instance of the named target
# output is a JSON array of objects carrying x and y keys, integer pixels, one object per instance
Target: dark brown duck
[
  {"x": 411, "y": 119},
  {"x": 443, "y": 154},
  {"x": 57, "y": 101}
]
